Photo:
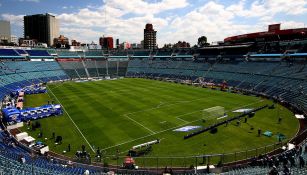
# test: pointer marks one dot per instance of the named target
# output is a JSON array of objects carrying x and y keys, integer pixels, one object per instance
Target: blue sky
[{"x": 87, "y": 20}]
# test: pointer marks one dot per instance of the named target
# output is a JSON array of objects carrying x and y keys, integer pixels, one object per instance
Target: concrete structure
[
  {"x": 41, "y": 27},
  {"x": 150, "y": 37},
  {"x": 117, "y": 43},
  {"x": 125, "y": 45},
  {"x": 25, "y": 42},
  {"x": 106, "y": 42},
  {"x": 61, "y": 41},
  {"x": 142, "y": 44},
  {"x": 136, "y": 46},
  {"x": 274, "y": 33},
  {"x": 75, "y": 43},
  {"x": 14, "y": 39},
  {"x": 5, "y": 32},
  {"x": 91, "y": 46}
]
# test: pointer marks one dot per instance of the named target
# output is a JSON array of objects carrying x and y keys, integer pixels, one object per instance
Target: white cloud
[
  {"x": 109, "y": 20},
  {"x": 126, "y": 29},
  {"x": 14, "y": 19},
  {"x": 269, "y": 8},
  {"x": 214, "y": 19},
  {"x": 143, "y": 7},
  {"x": 218, "y": 21},
  {"x": 292, "y": 24},
  {"x": 81, "y": 34}
]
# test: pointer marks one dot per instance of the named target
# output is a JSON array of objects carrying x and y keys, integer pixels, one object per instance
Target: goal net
[{"x": 213, "y": 112}]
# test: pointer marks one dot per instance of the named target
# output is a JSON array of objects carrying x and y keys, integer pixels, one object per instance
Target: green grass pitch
[{"x": 119, "y": 114}]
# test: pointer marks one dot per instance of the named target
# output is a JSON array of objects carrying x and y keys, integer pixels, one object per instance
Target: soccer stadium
[
  {"x": 232, "y": 107},
  {"x": 235, "y": 108}
]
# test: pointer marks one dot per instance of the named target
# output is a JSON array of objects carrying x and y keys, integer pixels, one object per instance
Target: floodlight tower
[{"x": 105, "y": 23}]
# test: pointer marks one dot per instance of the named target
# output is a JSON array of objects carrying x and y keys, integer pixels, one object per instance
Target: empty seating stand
[{"x": 10, "y": 54}]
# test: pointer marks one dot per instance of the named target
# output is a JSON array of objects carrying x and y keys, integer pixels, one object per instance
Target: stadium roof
[{"x": 274, "y": 30}]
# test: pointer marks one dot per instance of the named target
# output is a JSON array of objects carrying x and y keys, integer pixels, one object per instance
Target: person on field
[
  {"x": 259, "y": 132},
  {"x": 83, "y": 148}
]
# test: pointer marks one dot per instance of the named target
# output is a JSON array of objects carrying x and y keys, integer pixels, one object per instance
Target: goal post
[{"x": 213, "y": 112}]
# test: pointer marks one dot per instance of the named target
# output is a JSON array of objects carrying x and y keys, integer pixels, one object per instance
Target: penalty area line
[
  {"x": 178, "y": 116},
  {"x": 72, "y": 120},
  {"x": 168, "y": 104},
  {"x": 182, "y": 119},
  {"x": 152, "y": 132},
  {"x": 158, "y": 132}
]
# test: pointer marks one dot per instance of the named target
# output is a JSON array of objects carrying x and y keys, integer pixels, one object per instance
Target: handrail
[{"x": 197, "y": 156}]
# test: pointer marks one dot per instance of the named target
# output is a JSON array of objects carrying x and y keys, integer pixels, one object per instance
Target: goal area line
[{"x": 159, "y": 132}]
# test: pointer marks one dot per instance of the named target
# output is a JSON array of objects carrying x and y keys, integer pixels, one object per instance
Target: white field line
[
  {"x": 188, "y": 113},
  {"x": 181, "y": 119},
  {"x": 59, "y": 85},
  {"x": 119, "y": 91},
  {"x": 129, "y": 141},
  {"x": 171, "y": 104},
  {"x": 49, "y": 95},
  {"x": 150, "y": 134},
  {"x": 160, "y": 104},
  {"x": 72, "y": 121},
  {"x": 245, "y": 105},
  {"x": 140, "y": 124},
  {"x": 178, "y": 116}
]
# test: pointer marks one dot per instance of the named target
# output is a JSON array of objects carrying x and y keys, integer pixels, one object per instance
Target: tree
[
  {"x": 67, "y": 46},
  {"x": 181, "y": 44},
  {"x": 202, "y": 41},
  {"x": 58, "y": 45},
  {"x": 167, "y": 46}
]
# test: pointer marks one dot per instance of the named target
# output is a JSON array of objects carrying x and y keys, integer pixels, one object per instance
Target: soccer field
[{"x": 119, "y": 114}]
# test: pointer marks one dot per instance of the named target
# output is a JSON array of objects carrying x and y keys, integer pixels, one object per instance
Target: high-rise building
[
  {"x": 136, "y": 46},
  {"x": 142, "y": 44},
  {"x": 117, "y": 43},
  {"x": 41, "y": 27},
  {"x": 149, "y": 37},
  {"x": 106, "y": 42},
  {"x": 125, "y": 45},
  {"x": 14, "y": 39},
  {"x": 5, "y": 32}
]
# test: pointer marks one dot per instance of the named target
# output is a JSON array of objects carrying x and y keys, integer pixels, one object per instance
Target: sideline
[{"x": 72, "y": 120}]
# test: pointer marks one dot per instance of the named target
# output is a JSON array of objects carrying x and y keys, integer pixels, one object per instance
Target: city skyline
[{"x": 174, "y": 20}]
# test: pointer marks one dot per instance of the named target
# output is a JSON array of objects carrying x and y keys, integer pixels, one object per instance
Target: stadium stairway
[
  {"x": 283, "y": 80},
  {"x": 10, "y": 162},
  {"x": 85, "y": 68},
  {"x": 263, "y": 170}
]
